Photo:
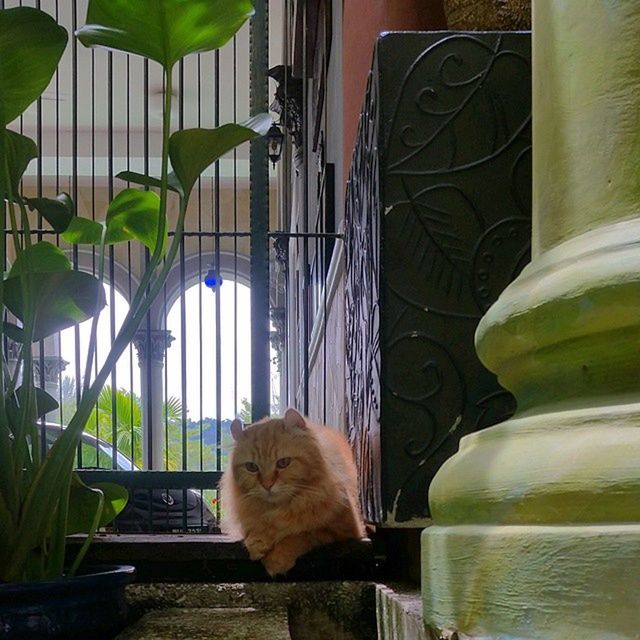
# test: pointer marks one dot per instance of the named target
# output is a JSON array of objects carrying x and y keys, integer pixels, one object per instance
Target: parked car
[{"x": 148, "y": 510}]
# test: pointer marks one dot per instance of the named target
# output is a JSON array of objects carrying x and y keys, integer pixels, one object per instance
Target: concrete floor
[{"x": 210, "y": 624}]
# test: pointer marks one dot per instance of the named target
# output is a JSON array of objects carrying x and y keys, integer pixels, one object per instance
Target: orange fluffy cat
[{"x": 290, "y": 487}]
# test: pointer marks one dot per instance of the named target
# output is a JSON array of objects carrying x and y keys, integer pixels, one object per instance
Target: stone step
[
  {"x": 399, "y": 613},
  {"x": 210, "y": 624},
  {"x": 312, "y": 610}
]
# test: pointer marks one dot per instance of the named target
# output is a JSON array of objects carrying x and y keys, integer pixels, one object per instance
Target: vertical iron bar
[
  {"x": 129, "y": 265},
  {"x": 57, "y": 186},
  {"x": 146, "y": 363},
  {"x": 235, "y": 237},
  {"x": 112, "y": 299},
  {"x": 218, "y": 323},
  {"x": 185, "y": 460},
  {"x": 199, "y": 284},
  {"x": 166, "y": 380},
  {"x": 74, "y": 185},
  {"x": 305, "y": 219},
  {"x": 287, "y": 204},
  {"x": 259, "y": 216},
  {"x": 183, "y": 354},
  {"x": 93, "y": 210}
]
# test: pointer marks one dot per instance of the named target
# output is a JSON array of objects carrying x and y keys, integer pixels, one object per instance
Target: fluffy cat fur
[{"x": 291, "y": 486}]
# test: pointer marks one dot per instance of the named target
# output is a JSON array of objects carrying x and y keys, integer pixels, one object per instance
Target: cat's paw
[
  {"x": 257, "y": 546},
  {"x": 277, "y": 562}
]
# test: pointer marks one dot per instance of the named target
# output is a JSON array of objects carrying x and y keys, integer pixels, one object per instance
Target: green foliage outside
[{"x": 199, "y": 436}]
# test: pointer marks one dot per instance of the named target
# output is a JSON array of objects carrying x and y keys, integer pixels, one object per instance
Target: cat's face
[{"x": 275, "y": 460}]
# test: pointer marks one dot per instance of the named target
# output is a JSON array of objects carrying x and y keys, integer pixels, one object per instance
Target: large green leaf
[
  {"x": 58, "y": 212},
  {"x": 132, "y": 215},
  {"x": 41, "y": 257},
  {"x": 84, "y": 503},
  {"x": 19, "y": 151},
  {"x": 115, "y": 500},
  {"x": 83, "y": 231},
  {"x": 61, "y": 299},
  {"x": 163, "y": 30},
  {"x": 85, "y": 500},
  {"x": 44, "y": 402},
  {"x": 13, "y": 331},
  {"x": 193, "y": 150},
  {"x": 31, "y": 45}
]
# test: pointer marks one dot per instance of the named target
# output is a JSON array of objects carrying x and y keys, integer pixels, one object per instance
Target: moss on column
[{"x": 537, "y": 520}]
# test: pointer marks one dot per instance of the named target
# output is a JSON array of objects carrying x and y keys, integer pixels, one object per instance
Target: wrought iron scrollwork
[{"x": 437, "y": 224}]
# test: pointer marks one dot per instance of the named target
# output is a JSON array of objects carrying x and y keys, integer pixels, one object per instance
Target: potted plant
[{"x": 41, "y": 500}]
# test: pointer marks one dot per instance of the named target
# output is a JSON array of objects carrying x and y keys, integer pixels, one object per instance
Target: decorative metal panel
[{"x": 438, "y": 223}]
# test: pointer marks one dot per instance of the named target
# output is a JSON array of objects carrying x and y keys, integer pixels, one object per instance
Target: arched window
[
  {"x": 198, "y": 359},
  {"x": 118, "y": 415},
  {"x": 208, "y": 372}
]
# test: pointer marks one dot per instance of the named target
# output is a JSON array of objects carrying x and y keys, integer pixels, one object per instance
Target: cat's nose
[{"x": 268, "y": 482}]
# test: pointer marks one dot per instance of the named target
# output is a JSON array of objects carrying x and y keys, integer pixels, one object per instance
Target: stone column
[
  {"x": 537, "y": 520},
  {"x": 53, "y": 365},
  {"x": 151, "y": 348}
]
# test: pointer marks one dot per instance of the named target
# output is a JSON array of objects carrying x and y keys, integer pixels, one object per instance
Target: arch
[
  {"x": 66, "y": 347},
  {"x": 122, "y": 274},
  {"x": 232, "y": 267},
  {"x": 215, "y": 352}
]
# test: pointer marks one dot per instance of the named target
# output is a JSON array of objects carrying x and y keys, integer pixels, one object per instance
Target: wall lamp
[{"x": 275, "y": 139}]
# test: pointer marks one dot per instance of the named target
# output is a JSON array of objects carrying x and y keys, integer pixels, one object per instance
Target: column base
[{"x": 533, "y": 582}]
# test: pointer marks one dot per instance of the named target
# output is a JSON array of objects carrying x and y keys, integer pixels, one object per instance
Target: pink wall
[{"x": 363, "y": 21}]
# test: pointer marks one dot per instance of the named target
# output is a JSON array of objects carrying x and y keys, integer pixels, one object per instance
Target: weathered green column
[{"x": 537, "y": 520}]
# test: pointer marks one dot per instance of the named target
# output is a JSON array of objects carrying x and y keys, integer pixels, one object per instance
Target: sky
[{"x": 235, "y": 367}]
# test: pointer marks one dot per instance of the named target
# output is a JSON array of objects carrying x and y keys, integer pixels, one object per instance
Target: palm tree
[
  {"x": 126, "y": 407},
  {"x": 67, "y": 400}
]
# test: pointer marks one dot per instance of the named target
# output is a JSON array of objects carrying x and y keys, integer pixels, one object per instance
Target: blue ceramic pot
[{"x": 91, "y": 605}]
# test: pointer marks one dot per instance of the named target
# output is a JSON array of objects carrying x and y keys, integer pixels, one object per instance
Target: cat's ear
[
  {"x": 293, "y": 420},
  {"x": 237, "y": 429}
]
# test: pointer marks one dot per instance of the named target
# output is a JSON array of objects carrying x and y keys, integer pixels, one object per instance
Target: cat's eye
[
  {"x": 251, "y": 466},
  {"x": 283, "y": 462}
]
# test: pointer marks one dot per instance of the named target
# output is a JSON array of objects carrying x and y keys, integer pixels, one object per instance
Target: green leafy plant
[
  {"x": 129, "y": 422},
  {"x": 41, "y": 500}
]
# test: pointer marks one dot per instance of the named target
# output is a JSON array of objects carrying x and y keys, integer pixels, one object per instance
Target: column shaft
[{"x": 537, "y": 520}]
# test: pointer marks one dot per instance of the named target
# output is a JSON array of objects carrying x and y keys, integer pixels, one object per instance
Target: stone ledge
[{"x": 217, "y": 558}]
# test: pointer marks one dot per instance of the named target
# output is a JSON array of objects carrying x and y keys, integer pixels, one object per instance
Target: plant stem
[
  {"x": 26, "y": 278},
  {"x": 25, "y": 224},
  {"x": 26, "y": 414},
  {"x": 9, "y": 490},
  {"x": 94, "y": 322}
]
